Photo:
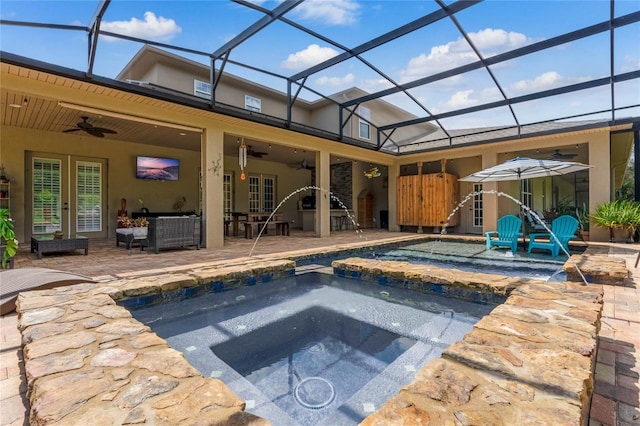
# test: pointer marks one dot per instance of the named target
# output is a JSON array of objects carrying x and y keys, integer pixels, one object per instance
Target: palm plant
[
  {"x": 7, "y": 237},
  {"x": 618, "y": 214}
]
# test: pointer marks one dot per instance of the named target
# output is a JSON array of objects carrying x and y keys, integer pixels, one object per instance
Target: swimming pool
[
  {"x": 465, "y": 256},
  {"x": 313, "y": 349}
]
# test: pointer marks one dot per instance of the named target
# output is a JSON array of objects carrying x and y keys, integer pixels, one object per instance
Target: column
[
  {"x": 323, "y": 201},
  {"x": 212, "y": 170}
]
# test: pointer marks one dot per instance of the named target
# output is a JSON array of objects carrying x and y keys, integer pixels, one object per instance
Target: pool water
[
  {"x": 470, "y": 257},
  {"x": 314, "y": 349},
  {"x": 476, "y": 258}
]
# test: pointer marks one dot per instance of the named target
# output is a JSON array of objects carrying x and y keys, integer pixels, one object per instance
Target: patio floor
[{"x": 616, "y": 399}]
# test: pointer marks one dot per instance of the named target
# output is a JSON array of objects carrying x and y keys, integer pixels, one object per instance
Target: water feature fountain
[
  {"x": 307, "y": 188},
  {"x": 473, "y": 194}
]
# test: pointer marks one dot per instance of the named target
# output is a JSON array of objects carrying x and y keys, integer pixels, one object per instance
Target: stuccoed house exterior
[{"x": 159, "y": 107}]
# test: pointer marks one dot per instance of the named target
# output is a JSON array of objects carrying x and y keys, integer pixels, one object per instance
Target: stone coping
[
  {"x": 530, "y": 361},
  {"x": 88, "y": 361}
]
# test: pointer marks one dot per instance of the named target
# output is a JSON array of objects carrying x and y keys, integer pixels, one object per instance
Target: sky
[{"x": 493, "y": 26}]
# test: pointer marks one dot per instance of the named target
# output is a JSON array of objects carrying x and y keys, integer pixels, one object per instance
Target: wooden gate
[{"x": 427, "y": 200}]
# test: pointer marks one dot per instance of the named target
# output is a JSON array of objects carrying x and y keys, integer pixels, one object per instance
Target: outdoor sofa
[{"x": 174, "y": 232}]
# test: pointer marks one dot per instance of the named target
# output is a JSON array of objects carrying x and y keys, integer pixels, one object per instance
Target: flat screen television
[{"x": 156, "y": 168}]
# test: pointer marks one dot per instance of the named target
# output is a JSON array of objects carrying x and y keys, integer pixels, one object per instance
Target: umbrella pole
[{"x": 524, "y": 241}]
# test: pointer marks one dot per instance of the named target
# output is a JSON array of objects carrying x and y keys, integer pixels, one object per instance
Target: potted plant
[
  {"x": 140, "y": 227},
  {"x": 583, "y": 221},
  {"x": 8, "y": 241},
  {"x": 621, "y": 217}
]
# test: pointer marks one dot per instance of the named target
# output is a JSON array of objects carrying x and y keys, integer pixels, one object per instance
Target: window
[
  {"x": 364, "y": 128},
  {"x": 89, "y": 196},
  {"x": 252, "y": 104},
  {"x": 268, "y": 194},
  {"x": 202, "y": 89},
  {"x": 526, "y": 193},
  {"x": 261, "y": 193},
  {"x": 227, "y": 189},
  {"x": 477, "y": 205}
]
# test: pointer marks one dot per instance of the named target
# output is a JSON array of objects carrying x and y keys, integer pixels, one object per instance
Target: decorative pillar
[
  {"x": 212, "y": 171},
  {"x": 393, "y": 173},
  {"x": 420, "y": 198},
  {"x": 323, "y": 201},
  {"x": 490, "y": 204}
]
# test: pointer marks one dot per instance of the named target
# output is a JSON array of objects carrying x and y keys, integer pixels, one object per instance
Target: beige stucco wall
[
  {"x": 230, "y": 91},
  {"x": 121, "y": 181},
  {"x": 464, "y": 161}
]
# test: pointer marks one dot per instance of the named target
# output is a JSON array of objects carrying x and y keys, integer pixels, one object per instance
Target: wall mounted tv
[{"x": 156, "y": 168}]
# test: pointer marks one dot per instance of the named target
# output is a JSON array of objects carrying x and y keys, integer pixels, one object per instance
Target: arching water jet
[
  {"x": 306, "y": 188},
  {"x": 473, "y": 194}
]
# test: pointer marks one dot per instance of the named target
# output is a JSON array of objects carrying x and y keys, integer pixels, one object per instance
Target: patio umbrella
[{"x": 524, "y": 168}]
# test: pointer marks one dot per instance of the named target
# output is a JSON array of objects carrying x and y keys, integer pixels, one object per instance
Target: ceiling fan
[
  {"x": 89, "y": 128},
  {"x": 256, "y": 154},
  {"x": 557, "y": 155},
  {"x": 304, "y": 165}
]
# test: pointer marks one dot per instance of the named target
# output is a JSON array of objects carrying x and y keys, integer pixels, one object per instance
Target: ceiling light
[
  {"x": 25, "y": 101},
  {"x": 182, "y": 134},
  {"x": 269, "y": 146},
  {"x": 128, "y": 117}
]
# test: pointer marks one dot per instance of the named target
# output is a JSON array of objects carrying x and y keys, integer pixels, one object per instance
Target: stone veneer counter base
[{"x": 530, "y": 361}]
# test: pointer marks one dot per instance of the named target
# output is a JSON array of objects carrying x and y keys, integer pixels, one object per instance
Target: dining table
[{"x": 259, "y": 217}]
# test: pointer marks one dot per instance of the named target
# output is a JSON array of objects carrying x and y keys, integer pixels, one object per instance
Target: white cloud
[
  {"x": 490, "y": 40},
  {"x": 461, "y": 99},
  {"x": 546, "y": 81},
  {"x": 336, "y": 81},
  {"x": 630, "y": 63},
  {"x": 330, "y": 12},
  {"x": 456, "y": 53},
  {"x": 157, "y": 28},
  {"x": 374, "y": 84},
  {"x": 308, "y": 57}
]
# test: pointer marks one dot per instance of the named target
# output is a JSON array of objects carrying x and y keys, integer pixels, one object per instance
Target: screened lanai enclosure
[
  {"x": 448, "y": 75},
  {"x": 498, "y": 47}
]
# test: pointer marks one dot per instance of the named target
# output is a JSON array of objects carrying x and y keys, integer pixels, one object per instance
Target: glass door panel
[
  {"x": 67, "y": 194},
  {"x": 46, "y": 195}
]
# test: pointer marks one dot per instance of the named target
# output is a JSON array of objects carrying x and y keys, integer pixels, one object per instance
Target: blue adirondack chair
[
  {"x": 563, "y": 227},
  {"x": 507, "y": 235}
]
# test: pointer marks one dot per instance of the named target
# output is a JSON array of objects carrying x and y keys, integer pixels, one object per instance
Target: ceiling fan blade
[
  {"x": 71, "y": 130},
  {"x": 94, "y": 132},
  {"x": 103, "y": 130},
  {"x": 557, "y": 155}
]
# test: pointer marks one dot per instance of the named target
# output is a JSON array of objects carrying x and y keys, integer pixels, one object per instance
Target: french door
[
  {"x": 261, "y": 193},
  {"x": 68, "y": 194},
  {"x": 473, "y": 209}
]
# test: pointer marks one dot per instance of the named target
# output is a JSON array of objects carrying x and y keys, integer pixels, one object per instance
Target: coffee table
[{"x": 48, "y": 244}]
